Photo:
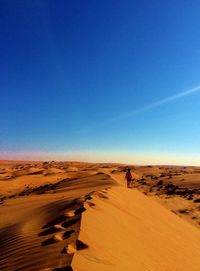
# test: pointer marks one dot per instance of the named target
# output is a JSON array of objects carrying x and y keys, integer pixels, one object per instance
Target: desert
[
  {"x": 99, "y": 135},
  {"x": 81, "y": 216}
]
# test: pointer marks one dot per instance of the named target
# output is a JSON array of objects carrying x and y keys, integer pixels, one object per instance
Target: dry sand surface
[{"x": 80, "y": 216}]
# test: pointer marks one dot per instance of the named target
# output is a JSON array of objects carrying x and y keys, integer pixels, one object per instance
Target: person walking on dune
[{"x": 128, "y": 178}]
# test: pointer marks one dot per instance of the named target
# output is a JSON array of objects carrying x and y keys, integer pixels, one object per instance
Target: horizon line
[{"x": 73, "y": 161}]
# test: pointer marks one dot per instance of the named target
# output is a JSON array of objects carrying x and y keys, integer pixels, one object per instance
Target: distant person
[{"x": 128, "y": 178}]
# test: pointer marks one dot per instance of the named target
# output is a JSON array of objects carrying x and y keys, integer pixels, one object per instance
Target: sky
[{"x": 102, "y": 81}]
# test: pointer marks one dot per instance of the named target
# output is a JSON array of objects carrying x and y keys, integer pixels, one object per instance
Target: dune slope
[
  {"x": 126, "y": 230},
  {"x": 37, "y": 226}
]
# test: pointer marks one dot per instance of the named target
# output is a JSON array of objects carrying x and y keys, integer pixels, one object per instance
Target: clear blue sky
[{"x": 75, "y": 77}]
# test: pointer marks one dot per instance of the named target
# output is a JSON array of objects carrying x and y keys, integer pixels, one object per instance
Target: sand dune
[
  {"x": 81, "y": 216},
  {"x": 37, "y": 226},
  {"x": 129, "y": 231}
]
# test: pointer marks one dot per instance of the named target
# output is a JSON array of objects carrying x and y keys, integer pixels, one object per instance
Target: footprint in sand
[
  {"x": 70, "y": 213},
  {"x": 80, "y": 210},
  {"x": 90, "y": 204},
  {"x": 68, "y": 234},
  {"x": 88, "y": 197},
  {"x": 55, "y": 221},
  {"x": 63, "y": 217},
  {"x": 54, "y": 239},
  {"x": 75, "y": 246},
  {"x": 100, "y": 195},
  {"x": 52, "y": 229},
  {"x": 74, "y": 212},
  {"x": 57, "y": 237},
  {"x": 70, "y": 223}
]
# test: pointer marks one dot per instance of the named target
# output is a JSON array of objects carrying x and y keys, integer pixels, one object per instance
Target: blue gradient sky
[{"x": 93, "y": 80}]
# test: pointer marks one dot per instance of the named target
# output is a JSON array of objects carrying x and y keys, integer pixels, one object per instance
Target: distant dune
[{"x": 80, "y": 216}]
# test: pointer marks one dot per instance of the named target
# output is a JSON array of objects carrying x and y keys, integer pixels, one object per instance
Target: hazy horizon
[{"x": 104, "y": 157}]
